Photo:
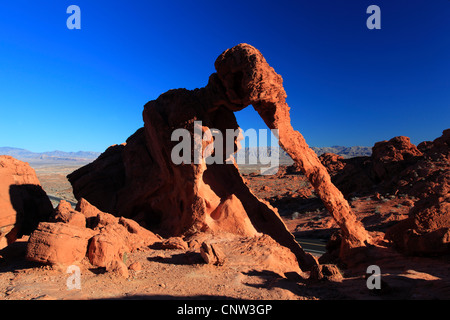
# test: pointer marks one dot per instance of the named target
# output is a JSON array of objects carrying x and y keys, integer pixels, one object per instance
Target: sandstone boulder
[
  {"x": 65, "y": 213},
  {"x": 212, "y": 254},
  {"x": 230, "y": 216},
  {"x": 328, "y": 272},
  {"x": 332, "y": 162},
  {"x": 351, "y": 176},
  {"x": 88, "y": 210},
  {"x": 58, "y": 243},
  {"x": 118, "y": 268},
  {"x": 23, "y": 202},
  {"x": 174, "y": 243},
  {"x": 107, "y": 246},
  {"x": 69, "y": 239},
  {"x": 135, "y": 266},
  {"x": 391, "y": 157},
  {"x": 396, "y": 167},
  {"x": 115, "y": 238}
]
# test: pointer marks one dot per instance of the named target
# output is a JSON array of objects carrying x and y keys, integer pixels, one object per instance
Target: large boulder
[
  {"x": 58, "y": 243},
  {"x": 65, "y": 213},
  {"x": 391, "y": 157},
  {"x": 117, "y": 237},
  {"x": 23, "y": 202},
  {"x": 108, "y": 172}
]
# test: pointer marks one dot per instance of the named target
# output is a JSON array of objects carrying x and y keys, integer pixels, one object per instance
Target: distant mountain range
[
  {"x": 51, "y": 157},
  {"x": 346, "y": 152},
  {"x": 82, "y": 157}
]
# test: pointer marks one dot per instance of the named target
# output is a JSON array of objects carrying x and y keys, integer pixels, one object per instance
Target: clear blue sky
[{"x": 347, "y": 85}]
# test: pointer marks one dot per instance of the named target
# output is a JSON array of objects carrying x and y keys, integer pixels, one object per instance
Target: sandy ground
[{"x": 177, "y": 274}]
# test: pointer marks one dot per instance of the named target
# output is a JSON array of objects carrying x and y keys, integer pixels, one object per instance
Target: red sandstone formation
[
  {"x": 67, "y": 240},
  {"x": 212, "y": 254},
  {"x": 351, "y": 176},
  {"x": 23, "y": 202},
  {"x": 332, "y": 162},
  {"x": 399, "y": 167},
  {"x": 391, "y": 157},
  {"x": 396, "y": 167},
  {"x": 65, "y": 213},
  {"x": 427, "y": 229},
  {"x": 58, "y": 243},
  {"x": 138, "y": 179}
]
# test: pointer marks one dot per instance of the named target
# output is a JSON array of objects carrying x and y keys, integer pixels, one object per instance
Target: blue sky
[{"x": 73, "y": 90}]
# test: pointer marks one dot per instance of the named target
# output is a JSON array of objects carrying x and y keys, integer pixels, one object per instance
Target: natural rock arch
[
  {"x": 244, "y": 67},
  {"x": 138, "y": 179}
]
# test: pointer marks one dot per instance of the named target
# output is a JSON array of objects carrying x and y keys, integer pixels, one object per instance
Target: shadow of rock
[
  {"x": 187, "y": 258},
  {"x": 12, "y": 258},
  {"x": 286, "y": 204},
  {"x": 268, "y": 280},
  {"x": 31, "y": 205},
  {"x": 171, "y": 297}
]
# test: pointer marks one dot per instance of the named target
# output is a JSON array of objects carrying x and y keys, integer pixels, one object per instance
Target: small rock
[
  {"x": 118, "y": 268},
  {"x": 135, "y": 266},
  {"x": 65, "y": 213},
  {"x": 326, "y": 272},
  {"x": 174, "y": 243},
  {"x": 9, "y": 291},
  {"x": 212, "y": 254}
]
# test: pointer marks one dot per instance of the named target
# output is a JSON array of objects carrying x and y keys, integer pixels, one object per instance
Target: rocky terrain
[{"x": 144, "y": 227}]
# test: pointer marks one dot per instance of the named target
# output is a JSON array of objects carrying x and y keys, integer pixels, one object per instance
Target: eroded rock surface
[
  {"x": 23, "y": 202},
  {"x": 73, "y": 235},
  {"x": 427, "y": 229},
  {"x": 399, "y": 168}
]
